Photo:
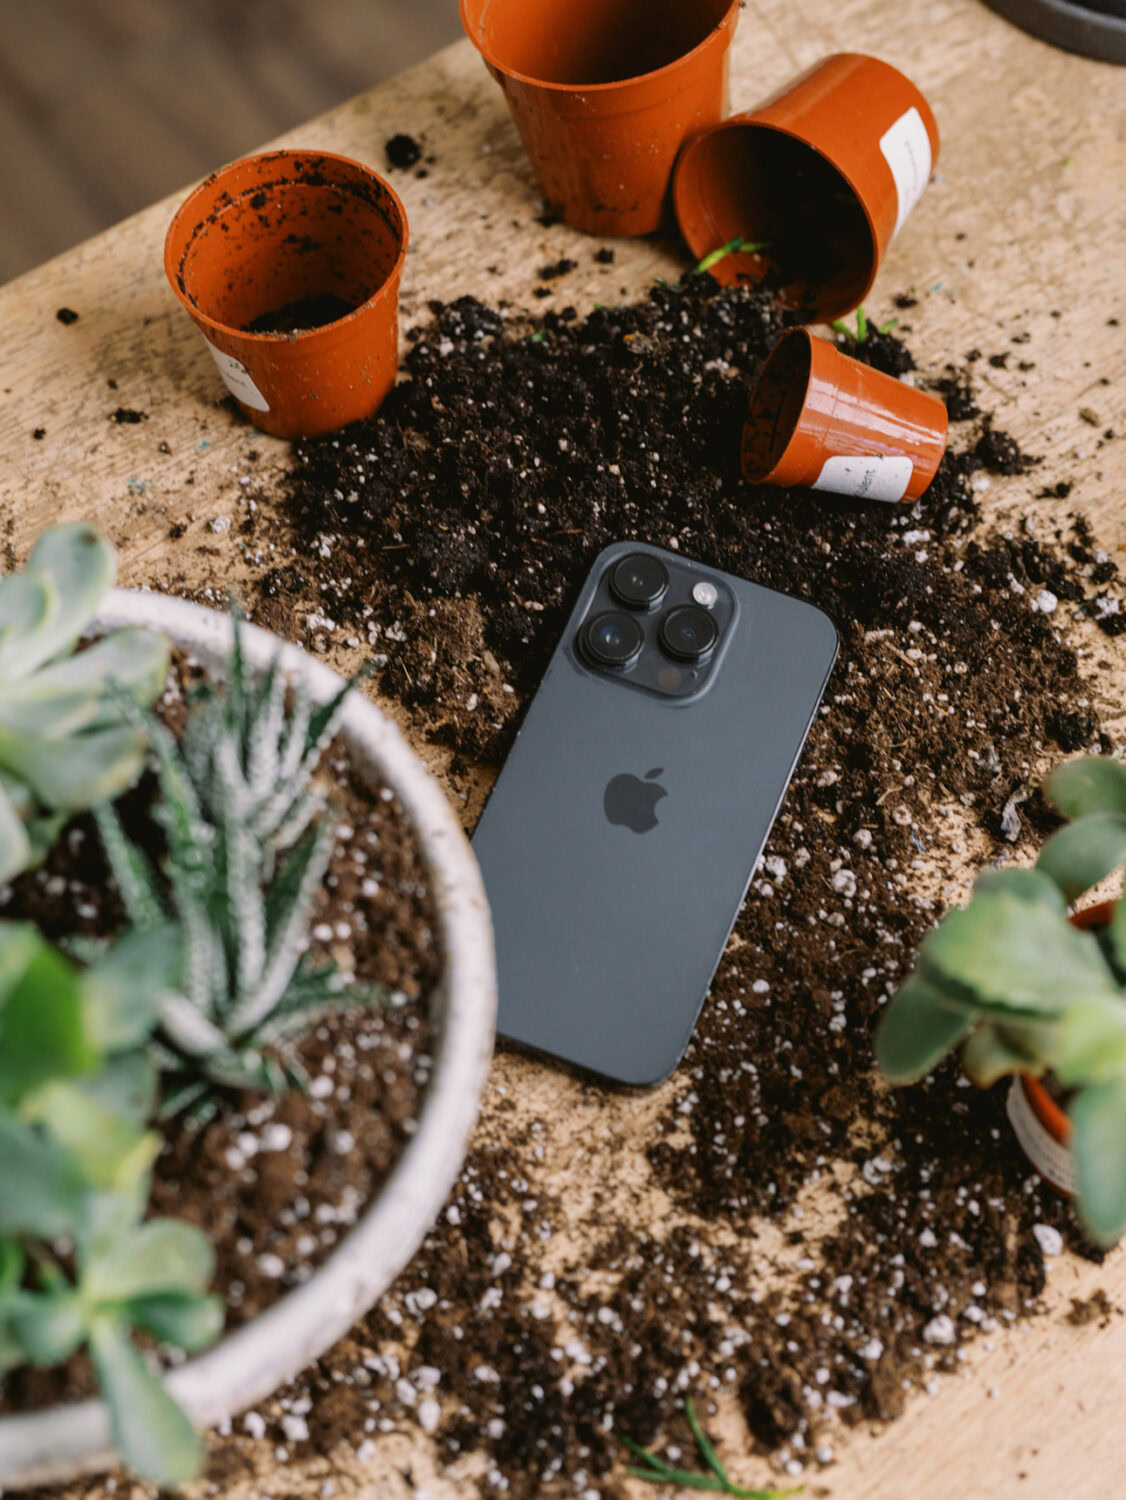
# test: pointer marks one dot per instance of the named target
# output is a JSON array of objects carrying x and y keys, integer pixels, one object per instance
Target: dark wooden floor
[{"x": 108, "y": 104}]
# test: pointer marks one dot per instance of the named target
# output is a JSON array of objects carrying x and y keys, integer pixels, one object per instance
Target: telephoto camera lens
[
  {"x": 612, "y": 639},
  {"x": 639, "y": 580},
  {"x": 688, "y": 633}
]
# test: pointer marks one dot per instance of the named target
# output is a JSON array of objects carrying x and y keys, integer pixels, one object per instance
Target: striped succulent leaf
[{"x": 249, "y": 841}]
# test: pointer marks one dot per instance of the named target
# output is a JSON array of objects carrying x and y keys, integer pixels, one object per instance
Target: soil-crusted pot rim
[
  {"x": 603, "y": 89},
  {"x": 62, "y": 1442},
  {"x": 181, "y": 236}
]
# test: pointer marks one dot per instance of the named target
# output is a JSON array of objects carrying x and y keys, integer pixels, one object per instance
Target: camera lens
[
  {"x": 613, "y": 640},
  {"x": 639, "y": 580},
  {"x": 688, "y": 633}
]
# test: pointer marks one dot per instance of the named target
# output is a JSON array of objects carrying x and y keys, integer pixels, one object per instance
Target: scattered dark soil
[
  {"x": 556, "y": 269},
  {"x": 1097, "y": 1308},
  {"x": 128, "y": 415},
  {"x": 450, "y": 534},
  {"x": 276, "y": 1181},
  {"x": 67, "y": 316},
  {"x": 305, "y": 313},
  {"x": 402, "y": 152}
]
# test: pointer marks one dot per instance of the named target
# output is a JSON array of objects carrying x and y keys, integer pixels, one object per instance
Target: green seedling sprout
[
  {"x": 716, "y": 1479},
  {"x": 859, "y": 334},
  {"x": 737, "y": 246}
]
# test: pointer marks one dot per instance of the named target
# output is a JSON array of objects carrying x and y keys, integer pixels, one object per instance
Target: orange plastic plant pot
[
  {"x": 604, "y": 94},
  {"x": 1041, "y": 1127},
  {"x": 822, "y": 177},
  {"x": 819, "y": 419},
  {"x": 282, "y": 230}
]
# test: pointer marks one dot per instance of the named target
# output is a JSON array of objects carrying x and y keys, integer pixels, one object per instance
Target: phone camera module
[
  {"x": 639, "y": 580},
  {"x": 688, "y": 633},
  {"x": 612, "y": 639}
]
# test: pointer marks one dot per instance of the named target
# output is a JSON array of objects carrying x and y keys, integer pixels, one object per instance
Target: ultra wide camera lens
[
  {"x": 688, "y": 633},
  {"x": 639, "y": 580},
  {"x": 612, "y": 639}
]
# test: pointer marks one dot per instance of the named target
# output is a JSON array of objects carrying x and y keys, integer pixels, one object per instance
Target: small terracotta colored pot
[
  {"x": 282, "y": 238},
  {"x": 604, "y": 94},
  {"x": 1040, "y": 1125},
  {"x": 819, "y": 419},
  {"x": 823, "y": 174}
]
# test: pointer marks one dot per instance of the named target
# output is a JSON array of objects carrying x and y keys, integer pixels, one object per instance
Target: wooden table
[{"x": 1022, "y": 229}]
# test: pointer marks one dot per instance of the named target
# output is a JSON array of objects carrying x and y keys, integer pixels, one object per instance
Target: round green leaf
[
  {"x": 1098, "y": 1142},
  {"x": 917, "y": 1032},
  {"x": 1091, "y": 784}
]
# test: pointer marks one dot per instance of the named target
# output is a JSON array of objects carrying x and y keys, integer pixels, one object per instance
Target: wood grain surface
[{"x": 1022, "y": 231}]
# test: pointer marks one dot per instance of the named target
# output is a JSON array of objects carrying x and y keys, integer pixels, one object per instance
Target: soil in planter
[
  {"x": 300, "y": 316},
  {"x": 276, "y": 1181},
  {"x": 450, "y": 533}
]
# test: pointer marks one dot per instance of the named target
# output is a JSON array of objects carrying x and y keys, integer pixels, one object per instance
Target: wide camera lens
[
  {"x": 639, "y": 580},
  {"x": 613, "y": 640},
  {"x": 688, "y": 633}
]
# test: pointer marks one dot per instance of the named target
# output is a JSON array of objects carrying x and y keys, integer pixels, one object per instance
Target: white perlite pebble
[
  {"x": 296, "y": 1429},
  {"x": 1050, "y": 1240},
  {"x": 255, "y": 1424},
  {"x": 844, "y": 883},
  {"x": 871, "y": 1350},
  {"x": 429, "y": 1414},
  {"x": 1045, "y": 601},
  {"x": 940, "y": 1330},
  {"x": 219, "y": 524}
]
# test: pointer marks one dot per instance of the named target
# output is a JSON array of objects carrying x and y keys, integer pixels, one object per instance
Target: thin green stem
[
  {"x": 737, "y": 246},
  {"x": 657, "y": 1471}
]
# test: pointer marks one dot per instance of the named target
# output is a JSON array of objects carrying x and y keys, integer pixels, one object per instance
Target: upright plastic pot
[
  {"x": 1039, "y": 1124},
  {"x": 61, "y": 1442},
  {"x": 820, "y": 419},
  {"x": 604, "y": 94},
  {"x": 823, "y": 176},
  {"x": 294, "y": 230}
]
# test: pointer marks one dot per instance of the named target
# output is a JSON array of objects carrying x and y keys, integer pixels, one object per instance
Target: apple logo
[{"x": 631, "y": 802}]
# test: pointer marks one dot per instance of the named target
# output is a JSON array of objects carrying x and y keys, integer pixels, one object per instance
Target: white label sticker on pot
[
  {"x": 880, "y": 476},
  {"x": 237, "y": 379},
  {"x": 1050, "y": 1157},
  {"x": 907, "y": 150}
]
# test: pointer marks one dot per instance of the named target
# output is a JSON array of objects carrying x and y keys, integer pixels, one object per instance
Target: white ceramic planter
[{"x": 62, "y": 1442}]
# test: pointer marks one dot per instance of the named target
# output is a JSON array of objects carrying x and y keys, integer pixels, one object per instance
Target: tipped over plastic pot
[
  {"x": 1039, "y": 1122},
  {"x": 822, "y": 176},
  {"x": 289, "y": 263},
  {"x": 820, "y": 419},
  {"x": 604, "y": 94}
]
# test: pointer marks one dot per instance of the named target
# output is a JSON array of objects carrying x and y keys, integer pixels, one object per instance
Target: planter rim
[
  {"x": 387, "y": 287},
  {"x": 616, "y": 84},
  {"x": 62, "y": 1442}
]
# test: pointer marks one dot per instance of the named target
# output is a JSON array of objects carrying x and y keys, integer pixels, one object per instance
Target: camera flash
[{"x": 705, "y": 594}]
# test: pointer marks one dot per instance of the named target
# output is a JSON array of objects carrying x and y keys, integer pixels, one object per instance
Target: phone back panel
[{"x": 607, "y": 938}]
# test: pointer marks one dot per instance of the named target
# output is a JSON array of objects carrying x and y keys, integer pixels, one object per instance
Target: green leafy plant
[
  {"x": 64, "y": 744},
  {"x": 249, "y": 839},
  {"x": 715, "y": 1479},
  {"x": 77, "y": 1264},
  {"x": 1022, "y": 990},
  {"x": 737, "y": 246},
  {"x": 859, "y": 334}
]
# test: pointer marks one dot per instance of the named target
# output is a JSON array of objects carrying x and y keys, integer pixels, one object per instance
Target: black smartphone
[{"x": 621, "y": 836}]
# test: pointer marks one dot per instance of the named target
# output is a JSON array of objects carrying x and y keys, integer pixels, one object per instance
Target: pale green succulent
[
  {"x": 1022, "y": 990},
  {"x": 64, "y": 744},
  {"x": 249, "y": 841},
  {"x": 77, "y": 1263}
]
